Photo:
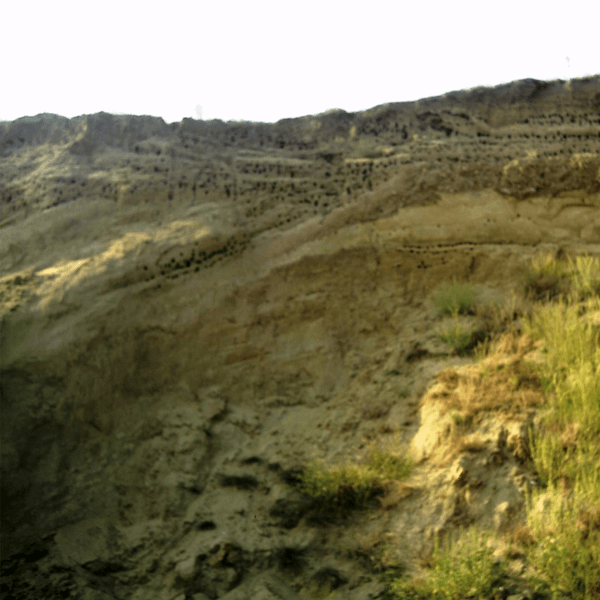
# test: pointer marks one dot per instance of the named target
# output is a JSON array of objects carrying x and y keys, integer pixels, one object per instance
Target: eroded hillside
[{"x": 193, "y": 312}]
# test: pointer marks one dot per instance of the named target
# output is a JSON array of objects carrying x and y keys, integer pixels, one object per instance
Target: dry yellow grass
[{"x": 503, "y": 382}]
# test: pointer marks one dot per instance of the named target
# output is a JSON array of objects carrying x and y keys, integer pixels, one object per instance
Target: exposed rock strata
[{"x": 191, "y": 312}]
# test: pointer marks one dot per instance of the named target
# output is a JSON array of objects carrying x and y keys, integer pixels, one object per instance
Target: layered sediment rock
[{"x": 192, "y": 312}]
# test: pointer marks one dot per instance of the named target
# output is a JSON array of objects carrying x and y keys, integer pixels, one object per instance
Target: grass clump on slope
[
  {"x": 464, "y": 568},
  {"x": 353, "y": 486},
  {"x": 454, "y": 299}
]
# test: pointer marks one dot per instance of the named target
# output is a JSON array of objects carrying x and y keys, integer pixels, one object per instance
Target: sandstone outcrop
[{"x": 191, "y": 312}]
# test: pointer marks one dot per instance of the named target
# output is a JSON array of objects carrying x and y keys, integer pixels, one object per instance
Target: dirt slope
[{"x": 192, "y": 312}]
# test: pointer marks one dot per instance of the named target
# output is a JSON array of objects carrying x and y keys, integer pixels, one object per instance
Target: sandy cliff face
[{"x": 192, "y": 312}]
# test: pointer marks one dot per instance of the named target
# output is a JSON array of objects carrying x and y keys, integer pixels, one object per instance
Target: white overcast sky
[{"x": 267, "y": 60}]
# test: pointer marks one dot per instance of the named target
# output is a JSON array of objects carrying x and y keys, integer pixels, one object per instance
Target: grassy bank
[{"x": 560, "y": 542}]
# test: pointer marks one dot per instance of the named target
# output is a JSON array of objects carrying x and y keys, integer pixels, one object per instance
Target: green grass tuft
[
  {"x": 454, "y": 299},
  {"x": 567, "y": 531},
  {"x": 461, "y": 340},
  {"x": 466, "y": 568},
  {"x": 343, "y": 487},
  {"x": 353, "y": 486},
  {"x": 390, "y": 466}
]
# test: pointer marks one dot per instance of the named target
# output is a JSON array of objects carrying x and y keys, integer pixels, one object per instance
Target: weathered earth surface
[{"x": 193, "y": 312}]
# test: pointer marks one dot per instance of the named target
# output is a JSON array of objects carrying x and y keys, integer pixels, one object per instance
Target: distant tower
[{"x": 199, "y": 111}]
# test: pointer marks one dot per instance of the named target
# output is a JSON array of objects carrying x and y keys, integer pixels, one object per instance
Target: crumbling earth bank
[{"x": 169, "y": 365}]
